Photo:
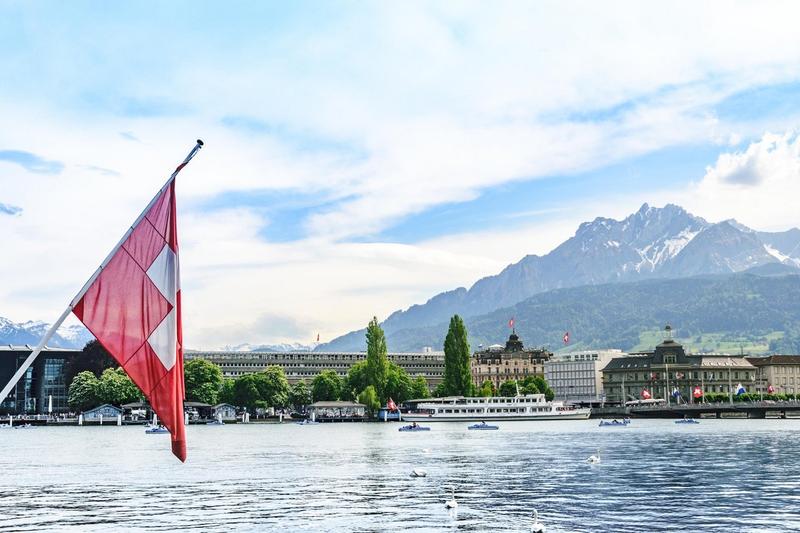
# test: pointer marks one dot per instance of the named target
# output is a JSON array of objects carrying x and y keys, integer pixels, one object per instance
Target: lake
[{"x": 721, "y": 475}]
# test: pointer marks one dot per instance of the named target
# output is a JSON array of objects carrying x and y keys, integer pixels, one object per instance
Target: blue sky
[{"x": 361, "y": 157}]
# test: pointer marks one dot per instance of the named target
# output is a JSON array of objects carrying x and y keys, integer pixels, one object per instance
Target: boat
[
  {"x": 156, "y": 429},
  {"x": 687, "y": 421},
  {"x": 215, "y": 423},
  {"x": 615, "y": 423},
  {"x": 413, "y": 427},
  {"x": 478, "y": 409},
  {"x": 482, "y": 425},
  {"x": 307, "y": 422}
]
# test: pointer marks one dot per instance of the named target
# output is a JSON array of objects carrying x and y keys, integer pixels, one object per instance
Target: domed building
[{"x": 499, "y": 363}]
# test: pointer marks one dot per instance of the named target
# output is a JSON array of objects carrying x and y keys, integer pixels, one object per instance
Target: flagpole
[{"x": 57, "y": 324}]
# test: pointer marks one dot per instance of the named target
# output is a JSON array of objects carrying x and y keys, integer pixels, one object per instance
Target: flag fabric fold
[{"x": 133, "y": 308}]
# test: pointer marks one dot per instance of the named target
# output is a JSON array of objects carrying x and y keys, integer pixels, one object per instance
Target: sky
[{"x": 361, "y": 157}]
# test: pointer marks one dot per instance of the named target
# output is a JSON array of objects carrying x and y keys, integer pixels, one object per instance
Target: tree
[
  {"x": 273, "y": 387},
  {"x": 300, "y": 395},
  {"x": 398, "y": 384},
  {"x": 419, "y": 388},
  {"x": 377, "y": 362},
  {"x": 93, "y": 358},
  {"x": 326, "y": 386},
  {"x": 83, "y": 390},
  {"x": 508, "y": 388},
  {"x": 355, "y": 381},
  {"x": 369, "y": 398},
  {"x": 440, "y": 391},
  {"x": 457, "y": 374},
  {"x": 245, "y": 392},
  {"x": 203, "y": 381},
  {"x": 487, "y": 389},
  {"x": 226, "y": 394},
  {"x": 116, "y": 388},
  {"x": 529, "y": 386}
]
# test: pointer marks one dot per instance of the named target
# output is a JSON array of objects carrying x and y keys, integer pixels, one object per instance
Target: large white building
[{"x": 577, "y": 376}]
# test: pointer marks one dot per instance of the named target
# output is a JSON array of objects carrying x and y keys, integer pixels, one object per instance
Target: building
[
  {"x": 42, "y": 383},
  {"x": 500, "y": 363},
  {"x": 669, "y": 368},
  {"x": 336, "y": 411},
  {"x": 782, "y": 372},
  {"x": 306, "y": 365},
  {"x": 577, "y": 377},
  {"x": 225, "y": 411},
  {"x": 105, "y": 412}
]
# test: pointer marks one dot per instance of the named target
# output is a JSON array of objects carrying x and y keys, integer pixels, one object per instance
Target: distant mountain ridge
[
  {"x": 31, "y": 332},
  {"x": 653, "y": 243}
]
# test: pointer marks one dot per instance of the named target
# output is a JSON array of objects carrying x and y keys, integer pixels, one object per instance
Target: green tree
[
  {"x": 457, "y": 375},
  {"x": 83, "y": 391},
  {"x": 440, "y": 391},
  {"x": 355, "y": 381},
  {"x": 273, "y": 387},
  {"x": 326, "y": 386},
  {"x": 300, "y": 395},
  {"x": 419, "y": 388},
  {"x": 487, "y": 389},
  {"x": 377, "y": 362},
  {"x": 203, "y": 381},
  {"x": 508, "y": 388},
  {"x": 245, "y": 392},
  {"x": 369, "y": 398},
  {"x": 529, "y": 386},
  {"x": 226, "y": 394},
  {"x": 398, "y": 385},
  {"x": 116, "y": 388},
  {"x": 93, "y": 358}
]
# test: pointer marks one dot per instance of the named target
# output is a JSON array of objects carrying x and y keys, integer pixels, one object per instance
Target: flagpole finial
[{"x": 200, "y": 142}]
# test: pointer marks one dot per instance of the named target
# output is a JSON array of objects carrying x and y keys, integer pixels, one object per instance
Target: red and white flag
[
  {"x": 770, "y": 389},
  {"x": 133, "y": 307},
  {"x": 566, "y": 337},
  {"x": 697, "y": 392},
  {"x": 391, "y": 405},
  {"x": 511, "y": 322},
  {"x": 646, "y": 394}
]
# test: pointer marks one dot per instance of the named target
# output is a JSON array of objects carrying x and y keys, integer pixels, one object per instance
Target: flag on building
[
  {"x": 317, "y": 337},
  {"x": 697, "y": 392},
  {"x": 133, "y": 307},
  {"x": 653, "y": 376},
  {"x": 770, "y": 389},
  {"x": 646, "y": 394},
  {"x": 679, "y": 375},
  {"x": 676, "y": 393},
  {"x": 566, "y": 337},
  {"x": 740, "y": 389},
  {"x": 391, "y": 405},
  {"x": 511, "y": 322}
]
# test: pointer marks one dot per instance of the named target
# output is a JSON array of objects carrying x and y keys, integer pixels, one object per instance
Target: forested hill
[{"x": 741, "y": 308}]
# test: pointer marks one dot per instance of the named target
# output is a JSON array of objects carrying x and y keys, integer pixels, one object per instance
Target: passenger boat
[
  {"x": 615, "y": 423},
  {"x": 413, "y": 427},
  {"x": 468, "y": 409},
  {"x": 483, "y": 425},
  {"x": 687, "y": 421}
]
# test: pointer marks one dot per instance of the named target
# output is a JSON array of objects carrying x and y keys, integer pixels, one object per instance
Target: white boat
[{"x": 460, "y": 409}]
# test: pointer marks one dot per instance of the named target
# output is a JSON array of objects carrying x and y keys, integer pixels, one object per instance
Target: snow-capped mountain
[
  {"x": 281, "y": 347},
  {"x": 654, "y": 242},
  {"x": 31, "y": 332}
]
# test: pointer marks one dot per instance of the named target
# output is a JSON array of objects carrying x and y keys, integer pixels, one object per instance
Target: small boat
[
  {"x": 23, "y": 426},
  {"x": 482, "y": 425},
  {"x": 307, "y": 422},
  {"x": 156, "y": 429},
  {"x": 687, "y": 421},
  {"x": 414, "y": 427},
  {"x": 615, "y": 423},
  {"x": 215, "y": 423}
]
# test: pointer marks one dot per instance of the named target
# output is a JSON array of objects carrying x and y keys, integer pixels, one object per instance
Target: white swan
[
  {"x": 419, "y": 472},
  {"x": 452, "y": 503},
  {"x": 594, "y": 459},
  {"x": 537, "y": 527}
]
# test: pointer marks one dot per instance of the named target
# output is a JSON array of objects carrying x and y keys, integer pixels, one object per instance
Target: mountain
[
  {"x": 283, "y": 347},
  {"x": 618, "y": 315},
  {"x": 31, "y": 332},
  {"x": 653, "y": 243}
]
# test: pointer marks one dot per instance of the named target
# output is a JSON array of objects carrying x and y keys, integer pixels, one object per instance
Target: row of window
[{"x": 711, "y": 376}]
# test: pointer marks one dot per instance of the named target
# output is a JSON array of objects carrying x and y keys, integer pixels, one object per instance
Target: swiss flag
[
  {"x": 698, "y": 392},
  {"x": 511, "y": 322},
  {"x": 646, "y": 394},
  {"x": 133, "y": 308},
  {"x": 391, "y": 405},
  {"x": 566, "y": 337},
  {"x": 770, "y": 389}
]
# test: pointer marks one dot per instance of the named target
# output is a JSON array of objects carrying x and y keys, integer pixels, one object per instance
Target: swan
[
  {"x": 594, "y": 459},
  {"x": 452, "y": 503},
  {"x": 537, "y": 527},
  {"x": 419, "y": 472}
]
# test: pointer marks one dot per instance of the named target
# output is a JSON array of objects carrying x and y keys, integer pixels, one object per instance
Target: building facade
[
  {"x": 669, "y": 369},
  {"x": 306, "y": 365},
  {"x": 577, "y": 377},
  {"x": 42, "y": 383},
  {"x": 781, "y": 372},
  {"x": 500, "y": 363}
]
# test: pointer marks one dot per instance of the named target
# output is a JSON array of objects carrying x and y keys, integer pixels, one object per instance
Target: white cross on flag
[{"x": 133, "y": 308}]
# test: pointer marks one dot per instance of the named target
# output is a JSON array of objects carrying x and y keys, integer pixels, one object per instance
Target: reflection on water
[{"x": 721, "y": 475}]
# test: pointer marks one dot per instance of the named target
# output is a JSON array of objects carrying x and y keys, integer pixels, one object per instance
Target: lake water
[{"x": 720, "y": 475}]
